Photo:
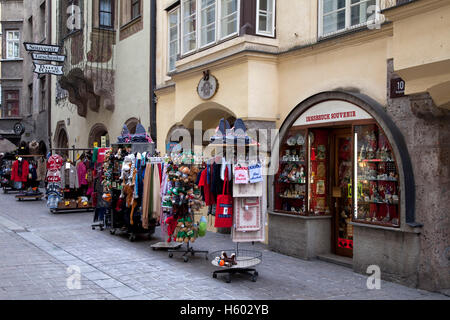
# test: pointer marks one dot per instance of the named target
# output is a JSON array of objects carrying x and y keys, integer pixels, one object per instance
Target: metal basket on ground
[{"x": 246, "y": 260}]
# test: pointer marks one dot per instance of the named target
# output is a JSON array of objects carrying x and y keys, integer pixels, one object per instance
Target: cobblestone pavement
[{"x": 37, "y": 248}]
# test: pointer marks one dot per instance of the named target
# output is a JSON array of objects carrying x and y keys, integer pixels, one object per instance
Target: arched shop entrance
[{"x": 343, "y": 163}]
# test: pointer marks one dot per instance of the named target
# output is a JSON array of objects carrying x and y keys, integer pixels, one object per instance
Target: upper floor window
[
  {"x": 135, "y": 9},
  {"x": 106, "y": 13},
  {"x": 12, "y": 44},
  {"x": 174, "y": 43},
  {"x": 216, "y": 20},
  {"x": 341, "y": 15},
  {"x": 11, "y": 104},
  {"x": 265, "y": 18}
]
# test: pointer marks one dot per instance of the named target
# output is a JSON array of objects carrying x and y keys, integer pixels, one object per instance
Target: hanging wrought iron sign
[
  {"x": 48, "y": 69},
  {"x": 48, "y": 57},
  {"x": 208, "y": 86}
]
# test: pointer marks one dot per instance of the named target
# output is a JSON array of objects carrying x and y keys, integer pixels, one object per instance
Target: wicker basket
[{"x": 244, "y": 258}]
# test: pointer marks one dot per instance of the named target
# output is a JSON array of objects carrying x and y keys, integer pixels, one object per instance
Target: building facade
[
  {"x": 25, "y": 94},
  {"x": 358, "y": 91},
  {"x": 11, "y": 69},
  {"x": 107, "y": 71}
]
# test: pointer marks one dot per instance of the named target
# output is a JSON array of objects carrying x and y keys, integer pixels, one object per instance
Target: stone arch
[
  {"x": 98, "y": 130},
  {"x": 210, "y": 114},
  {"x": 132, "y": 124},
  {"x": 61, "y": 137},
  {"x": 398, "y": 143}
]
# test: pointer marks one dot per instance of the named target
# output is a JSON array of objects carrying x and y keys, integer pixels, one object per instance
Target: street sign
[
  {"x": 48, "y": 69},
  {"x": 41, "y": 47},
  {"x": 48, "y": 57}
]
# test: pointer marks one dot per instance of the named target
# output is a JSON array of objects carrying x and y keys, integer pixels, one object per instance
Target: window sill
[
  {"x": 130, "y": 28},
  {"x": 379, "y": 227},
  {"x": 297, "y": 216},
  {"x": 12, "y": 60},
  {"x": 131, "y": 22}
]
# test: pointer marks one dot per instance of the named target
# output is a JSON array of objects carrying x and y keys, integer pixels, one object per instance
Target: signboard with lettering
[
  {"x": 330, "y": 112},
  {"x": 48, "y": 57},
  {"x": 48, "y": 69},
  {"x": 398, "y": 87},
  {"x": 41, "y": 47}
]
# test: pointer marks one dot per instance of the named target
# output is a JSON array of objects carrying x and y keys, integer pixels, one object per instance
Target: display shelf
[
  {"x": 375, "y": 202},
  {"x": 294, "y": 198},
  {"x": 288, "y": 182},
  {"x": 361, "y": 179}
]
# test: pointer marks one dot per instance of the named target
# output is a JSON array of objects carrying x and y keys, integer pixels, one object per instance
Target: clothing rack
[{"x": 73, "y": 150}]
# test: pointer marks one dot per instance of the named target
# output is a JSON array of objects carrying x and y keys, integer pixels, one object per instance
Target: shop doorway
[{"x": 341, "y": 164}]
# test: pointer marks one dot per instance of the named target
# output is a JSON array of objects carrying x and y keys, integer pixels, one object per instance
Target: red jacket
[{"x": 15, "y": 171}]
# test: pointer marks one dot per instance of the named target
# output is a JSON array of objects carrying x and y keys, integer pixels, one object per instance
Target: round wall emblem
[
  {"x": 19, "y": 129},
  {"x": 208, "y": 86}
]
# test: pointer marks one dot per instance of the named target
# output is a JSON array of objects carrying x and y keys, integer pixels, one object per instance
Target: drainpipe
[
  {"x": 153, "y": 132},
  {"x": 49, "y": 78}
]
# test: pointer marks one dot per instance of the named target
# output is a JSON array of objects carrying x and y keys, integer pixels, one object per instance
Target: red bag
[{"x": 224, "y": 207}]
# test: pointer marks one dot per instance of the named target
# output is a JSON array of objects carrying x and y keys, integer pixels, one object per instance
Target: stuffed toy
[{"x": 171, "y": 223}]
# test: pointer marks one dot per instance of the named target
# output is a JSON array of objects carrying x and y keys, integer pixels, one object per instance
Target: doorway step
[{"x": 332, "y": 258}]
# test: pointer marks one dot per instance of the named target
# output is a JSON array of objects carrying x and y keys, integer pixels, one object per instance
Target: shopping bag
[
  {"x": 241, "y": 175},
  {"x": 224, "y": 208}
]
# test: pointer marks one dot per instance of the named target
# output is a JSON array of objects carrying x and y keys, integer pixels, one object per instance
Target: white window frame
[
  {"x": 200, "y": 8},
  {"x": 218, "y": 26},
  {"x": 183, "y": 52},
  {"x": 178, "y": 36},
  {"x": 348, "y": 18},
  {"x": 8, "y": 41},
  {"x": 238, "y": 21},
  {"x": 264, "y": 33}
]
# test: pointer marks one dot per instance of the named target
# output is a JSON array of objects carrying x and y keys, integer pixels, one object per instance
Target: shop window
[
  {"x": 11, "y": 104},
  {"x": 341, "y": 15},
  {"x": 265, "y": 18},
  {"x": 317, "y": 169},
  {"x": 174, "y": 43},
  {"x": 290, "y": 189},
  {"x": 377, "y": 192},
  {"x": 13, "y": 44}
]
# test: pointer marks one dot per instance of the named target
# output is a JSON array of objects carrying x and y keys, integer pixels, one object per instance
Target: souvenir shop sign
[
  {"x": 330, "y": 112},
  {"x": 48, "y": 57},
  {"x": 41, "y": 47},
  {"x": 48, "y": 69}
]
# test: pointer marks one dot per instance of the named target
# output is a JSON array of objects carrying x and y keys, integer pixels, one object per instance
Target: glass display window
[
  {"x": 318, "y": 172},
  {"x": 377, "y": 193},
  {"x": 291, "y": 180}
]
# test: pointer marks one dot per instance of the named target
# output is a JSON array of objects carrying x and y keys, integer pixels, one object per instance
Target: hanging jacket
[
  {"x": 20, "y": 174},
  {"x": 41, "y": 169},
  {"x": 69, "y": 177},
  {"x": 81, "y": 172}
]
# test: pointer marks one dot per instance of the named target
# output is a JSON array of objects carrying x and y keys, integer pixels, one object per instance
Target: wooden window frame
[
  {"x": 135, "y": 3},
  {"x": 111, "y": 13},
  {"x": 6, "y": 93}
]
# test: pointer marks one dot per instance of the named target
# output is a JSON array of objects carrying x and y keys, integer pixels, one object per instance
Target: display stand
[
  {"x": 110, "y": 222},
  {"x": 72, "y": 150},
  {"x": 9, "y": 188},
  {"x": 246, "y": 261},
  {"x": 187, "y": 251},
  {"x": 24, "y": 197}
]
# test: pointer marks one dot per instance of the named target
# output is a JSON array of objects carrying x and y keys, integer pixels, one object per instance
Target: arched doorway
[
  {"x": 95, "y": 136},
  {"x": 132, "y": 124}
]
